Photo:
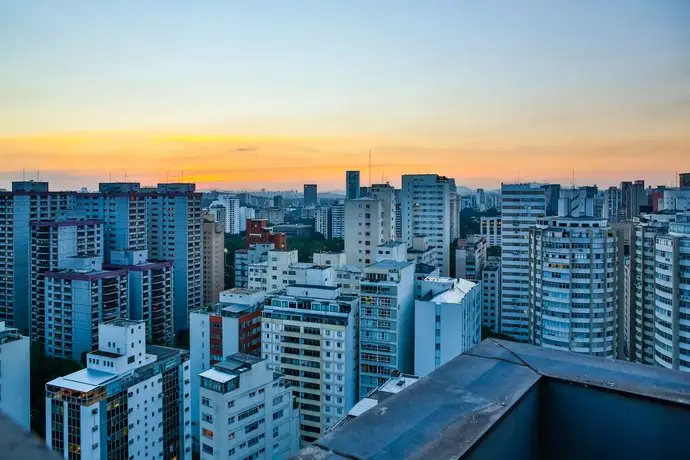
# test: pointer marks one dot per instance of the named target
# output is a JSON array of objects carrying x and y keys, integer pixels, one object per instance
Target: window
[
  {"x": 275, "y": 433},
  {"x": 206, "y": 402},
  {"x": 207, "y": 433},
  {"x": 207, "y": 417},
  {"x": 251, "y": 427},
  {"x": 277, "y": 414},
  {"x": 207, "y": 449},
  {"x": 278, "y": 399}
]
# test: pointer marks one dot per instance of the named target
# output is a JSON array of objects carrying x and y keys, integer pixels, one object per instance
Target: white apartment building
[
  {"x": 245, "y": 214},
  {"x": 646, "y": 229},
  {"x": 311, "y": 274},
  {"x": 491, "y": 297},
  {"x": 219, "y": 213},
  {"x": 244, "y": 257},
  {"x": 232, "y": 212},
  {"x": 675, "y": 200},
  {"x": 272, "y": 275},
  {"x": 575, "y": 285},
  {"x": 490, "y": 228},
  {"x": 672, "y": 302},
  {"x": 385, "y": 193},
  {"x": 309, "y": 333},
  {"x": 322, "y": 221},
  {"x": 231, "y": 326},
  {"x": 386, "y": 321},
  {"x": 447, "y": 321},
  {"x": 364, "y": 229},
  {"x": 246, "y": 411},
  {"x": 426, "y": 210},
  {"x": 131, "y": 401},
  {"x": 347, "y": 276},
  {"x": 15, "y": 398},
  {"x": 470, "y": 257},
  {"x": 522, "y": 205}
]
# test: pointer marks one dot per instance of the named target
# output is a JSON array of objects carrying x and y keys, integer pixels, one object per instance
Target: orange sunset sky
[{"x": 248, "y": 96}]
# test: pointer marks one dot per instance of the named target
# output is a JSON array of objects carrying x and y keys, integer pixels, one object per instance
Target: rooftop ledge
[{"x": 508, "y": 400}]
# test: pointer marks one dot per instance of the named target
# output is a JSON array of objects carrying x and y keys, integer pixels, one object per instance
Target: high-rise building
[
  {"x": 398, "y": 214},
  {"x": 636, "y": 198},
  {"x": 6, "y": 258},
  {"x": 470, "y": 257},
  {"x": 309, "y": 333},
  {"x": 522, "y": 205},
  {"x": 246, "y": 411},
  {"x": 386, "y": 321},
  {"x": 426, "y": 210},
  {"x": 259, "y": 233},
  {"x": 490, "y": 228},
  {"x": 231, "y": 326},
  {"x": 15, "y": 399},
  {"x": 338, "y": 221},
  {"x": 364, "y": 229},
  {"x": 447, "y": 321},
  {"x": 612, "y": 204},
  {"x": 54, "y": 245},
  {"x": 672, "y": 297},
  {"x": 646, "y": 229},
  {"x": 232, "y": 212},
  {"x": 150, "y": 293},
  {"x": 684, "y": 180},
  {"x": 176, "y": 234},
  {"x": 131, "y": 401},
  {"x": 310, "y": 195},
  {"x": 454, "y": 213},
  {"x": 78, "y": 298},
  {"x": 246, "y": 213},
  {"x": 674, "y": 199},
  {"x": 351, "y": 185},
  {"x": 491, "y": 297},
  {"x": 576, "y": 285},
  {"x": 214, "y": 259},
  {"x": 219, "y": 213},
  {"x": 322, "y": 221},
  {"x": 347, "y": 276},
  {"x": 123, "y": 210},
  {"x": 386, "y": 195},
  {"x": 30, "y": 201}
]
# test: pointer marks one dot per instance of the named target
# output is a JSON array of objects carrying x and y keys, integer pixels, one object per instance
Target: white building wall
[
  {"x": 364, "y": 229},
  {"x": 15, "y": 400}
]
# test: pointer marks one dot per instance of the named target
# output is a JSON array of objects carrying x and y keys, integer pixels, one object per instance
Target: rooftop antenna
[
  {"x": 181, "y": 176},
  {"x": 573, "y": 180},
  {"x": 166, "y": 177},
  {"x": 23, "y": 174},
  {"x": 125, "y": 175},
  {"x": 369, "y": 167},
  {"x": 518, "y": 175},
  {"x": 38, "y": 175},
  {"x": 110, "y": 176}
]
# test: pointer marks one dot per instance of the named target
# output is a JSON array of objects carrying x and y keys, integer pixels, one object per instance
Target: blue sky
[{"x": 427, "y": 73}]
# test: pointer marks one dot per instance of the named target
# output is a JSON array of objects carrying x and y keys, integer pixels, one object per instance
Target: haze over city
[{"x": 241, "y": 95}]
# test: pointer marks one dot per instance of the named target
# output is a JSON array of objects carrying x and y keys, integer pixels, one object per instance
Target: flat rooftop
[{"x": 505, "y": 400}]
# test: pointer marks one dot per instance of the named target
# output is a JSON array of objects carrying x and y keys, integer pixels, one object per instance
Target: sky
[{"x": 274, "y": 94}]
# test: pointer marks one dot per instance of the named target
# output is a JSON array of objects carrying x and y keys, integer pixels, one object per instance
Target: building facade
[
  {"x": 490, "y": 228},
  {"x": 310, "y": 195},
  {"x": 491, "y": 297},
  {"x": 426, "y": 210},
  {"x": 672, "y": 297},
  {"x": 447, "y": 321},
  {"x": 470, "y": 257},
  {"x": 245, "y": 257},
  {"x": 309, "y": 334},
  {"x": 351, "y": 185},
  {"x": 522, "y": 205},
  {"x": 131, "y": 401},
  {"x": 214, "y": 259},
  {"x": 364, "y": 229},
  {"x": 175, "y": 233},
  {"x": 246, "y": 411},
  {"x": 575, "y": 285},
  {"x": 15, "y": 376},
  {"x": 231, "y": 326},
  {"x": 386, "y": 321}
]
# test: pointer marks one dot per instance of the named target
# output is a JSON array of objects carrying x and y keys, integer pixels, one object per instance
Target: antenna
[
  {"x": 110, "y": 176},
  {"x": 573, "y": 180},
  {"x": 369, "y": 167},
  {"x": 38, "y": 175},
  {"x": 166, "y": 177},
  {"x": 125, "y": 175},
  {"x": 518, "y": 175},
  {"x": 23, "y": 173}
]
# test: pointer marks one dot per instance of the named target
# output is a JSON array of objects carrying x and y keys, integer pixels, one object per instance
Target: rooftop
[
  {"x": 424, "y": 268},
  {"x": 106, "y": 354},
  {"x": 508, "y": 400},
  {"x": 391, "y": 264},
  {"x": 391, "y": 244}
]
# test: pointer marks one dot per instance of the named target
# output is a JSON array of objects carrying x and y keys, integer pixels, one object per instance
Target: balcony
[{"x": 508, "y": 400}]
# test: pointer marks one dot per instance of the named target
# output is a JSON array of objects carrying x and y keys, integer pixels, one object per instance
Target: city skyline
[{"x": 238, "y": 97}]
